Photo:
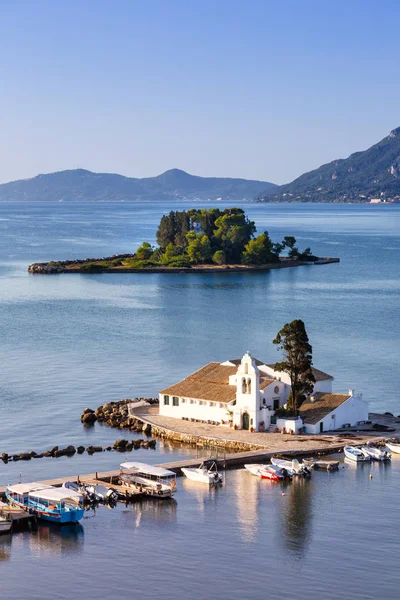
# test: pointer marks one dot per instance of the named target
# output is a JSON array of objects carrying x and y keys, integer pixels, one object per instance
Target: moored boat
[
  {"x": 321, "y": 465},
  {"x": 265, "y": 471},
  {"x": 393, "y": 447},
  {"x": 58, "y": 505},
  {"x": 93, "y": 494},
  {"x": 355, "y": 454},
  {"x": 292, "y": 467},
  {"x": 150, "y": 480},
  {"x": 207, "y": 473},
  {"x": 5, "y": 525},
  {"x": 376, "y": 453}
]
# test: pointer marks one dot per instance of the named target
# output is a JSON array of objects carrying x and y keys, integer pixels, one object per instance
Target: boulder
[
  {"x": 4, "y": 457},
  {"x": 80, "y": 449},
  {"x": 120, "y": 444},
  {"x": 25, "y": 456},
  {"x": 88, "y": 418},
  {"x": 146, "y": 429},
  {"x": 93, "y": 449}
]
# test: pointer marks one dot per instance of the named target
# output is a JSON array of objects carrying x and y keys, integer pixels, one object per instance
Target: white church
[{"x": 245, "y": 394}]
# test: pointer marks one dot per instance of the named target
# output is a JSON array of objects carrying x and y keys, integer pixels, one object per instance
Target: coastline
[{"x": 78, "y": 266}]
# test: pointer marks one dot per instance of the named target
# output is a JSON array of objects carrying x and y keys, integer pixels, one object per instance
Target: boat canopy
[
  {"x": 57, "y": 494},
  {"x": 25, "y": 488},
  {"x": 149, "y": 469}
]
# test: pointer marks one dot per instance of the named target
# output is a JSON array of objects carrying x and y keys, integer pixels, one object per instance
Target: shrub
[
  {"x": 141, "y": 264},
  {"x": 219, "y": 257},
  {"x": 179, "y": 262}
]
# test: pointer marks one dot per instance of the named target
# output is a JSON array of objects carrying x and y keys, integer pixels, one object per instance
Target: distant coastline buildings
[{"x": 247, "y": 393}]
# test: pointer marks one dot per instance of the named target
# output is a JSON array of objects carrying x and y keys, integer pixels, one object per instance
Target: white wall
[
  {"x": 352, "y": 411},
  {"x": 289, "y": 424},
  {"x": 192, "y": 409}
]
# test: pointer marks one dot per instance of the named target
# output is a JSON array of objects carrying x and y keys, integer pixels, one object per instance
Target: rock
[
  {"x": 93, "y": 449},
  {"x": 25, "y": 456},
  {"x": 146, "y": 429},
  {"x": 108, "y": 448},
  {"x": 87, "y": 411},
  {"x": 120, "y": 444},
  {"x": 129, "y": 447},
  {"x": 88, "y": 418},
  {"x": 4, "y": 457},
  {"x": 145, "y": 444},
  {"x": 39, "y": 455},
  {"x": 54, "y": 450},
  {"x": 152, "y": 443},
  {"x": 80, "y": 449},
  {"x": 137, "y": 444},
  {"x": 16, "y": 457}
]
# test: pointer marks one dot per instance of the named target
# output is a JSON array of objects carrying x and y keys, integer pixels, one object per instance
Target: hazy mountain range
[
  {"x": 373, "y": 173},
  {"x": 82, "y": 185}
]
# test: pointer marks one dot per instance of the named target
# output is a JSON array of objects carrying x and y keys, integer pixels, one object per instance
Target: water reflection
[
  {"x": 5, "y": 546},
  {"x": 247, "y": 490},
  {"x": 150, "y": 512},
  {"x": 297, "y": 516},
  {"x": 53, "y": 539},
  {"x": 204, "y": 494}
]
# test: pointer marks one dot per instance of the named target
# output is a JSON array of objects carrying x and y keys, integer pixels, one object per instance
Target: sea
[{"x": 72, "y": 341}]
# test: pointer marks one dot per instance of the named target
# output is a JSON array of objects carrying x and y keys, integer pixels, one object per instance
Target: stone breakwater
[
  {"x": 116, "y": 415},
  {"x": 56, "y": 452}
]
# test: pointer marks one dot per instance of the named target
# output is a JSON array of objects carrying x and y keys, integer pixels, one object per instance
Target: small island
[{"x": 198, "y": 240}]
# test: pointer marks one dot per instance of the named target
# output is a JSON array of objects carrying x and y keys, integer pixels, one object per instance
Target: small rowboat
[
  {"x": 321, "y": 465},
  {"x": 393, "y": 447},
  {"x": 376, "y": 453},
  {"x": 355, "y": 454},
  {"x": 265, "y": 472}
]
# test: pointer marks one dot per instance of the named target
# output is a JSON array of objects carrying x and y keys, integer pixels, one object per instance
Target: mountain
[
  {"x": 79, "y": 184},
  {"x": 373, "y": 173}
]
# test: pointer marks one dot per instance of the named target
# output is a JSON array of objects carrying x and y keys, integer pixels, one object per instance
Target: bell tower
[{"x": 247, "y": 393}]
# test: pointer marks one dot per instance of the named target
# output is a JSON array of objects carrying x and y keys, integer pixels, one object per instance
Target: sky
[{"x": 260, "y": 89}]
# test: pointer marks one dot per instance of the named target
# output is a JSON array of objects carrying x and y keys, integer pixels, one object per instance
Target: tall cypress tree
[{"x": 292, "y": 339}]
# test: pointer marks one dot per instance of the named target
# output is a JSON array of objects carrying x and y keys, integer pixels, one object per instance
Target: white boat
[
  {"x": 393, "y": 447},
  {"x": 355, "y": 454},
  {"x": 5, "y": 525},
  {"x": 321, "y": 465},
  {"x": 153, "y": 481},
  {"x": 265, "y": 471},
  {"x": 376, "y": 453},
  {"x": 292, "y": 467},
  {"x": 207, "y": 472}
]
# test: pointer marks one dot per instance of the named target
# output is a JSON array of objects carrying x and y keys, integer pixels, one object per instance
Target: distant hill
[
  {"x": 374, "y": 173},
  {"x": 82, "y": 185}
]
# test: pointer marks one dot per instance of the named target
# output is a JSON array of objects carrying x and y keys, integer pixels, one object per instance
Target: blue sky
[{"x": 263, "y": 89}]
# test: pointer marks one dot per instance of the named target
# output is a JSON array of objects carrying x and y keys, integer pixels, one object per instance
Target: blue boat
[{"x": 57, "y": 505}]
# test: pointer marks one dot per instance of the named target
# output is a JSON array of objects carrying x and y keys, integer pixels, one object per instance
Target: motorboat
[
  {"x": 376, "y": 453},
  {"x": 355, "y": 454},
  {"x": 5, "y": 525},
  {"x": 321, "y": 465},
  {"x": 150, "y": 480},
  {"x": 393, "y": 447},
  {"x": 207, "y": 472},
  {"x": 292, "y": 467},
  {"x": 93, "y": 494},
  {"x": 265, "y": 471},
  {"x": 58, "y": 505}
]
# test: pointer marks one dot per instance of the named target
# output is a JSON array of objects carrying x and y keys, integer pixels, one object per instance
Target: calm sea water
[{"x": 71, "y": 341}]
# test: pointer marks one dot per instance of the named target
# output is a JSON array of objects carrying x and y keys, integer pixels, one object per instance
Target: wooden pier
[{"x": 21, "y": 520}]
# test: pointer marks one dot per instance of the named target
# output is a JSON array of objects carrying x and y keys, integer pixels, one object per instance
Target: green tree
[
  {"x": 166, "y": 230},
  {"x": 289, "y": 242},
  {"x": 144, "y": 251},
  {"x": 172, "y": 252},
  {"x": 292, "y": 339},
  {"x": 199, "y": 247},
  {"x": 219, "y": 257},
  {"x": 259, "y": 251},
  {"x": 232, "y": 232}
]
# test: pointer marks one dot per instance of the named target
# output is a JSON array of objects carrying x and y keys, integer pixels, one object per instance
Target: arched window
[
  {"x": 249, "y": 386},
  {"x": 246, "y": 368},
  {"x": 244, "y": 391}
]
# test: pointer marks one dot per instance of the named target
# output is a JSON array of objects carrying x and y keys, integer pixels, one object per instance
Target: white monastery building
[{"x": 246, "y": 393}]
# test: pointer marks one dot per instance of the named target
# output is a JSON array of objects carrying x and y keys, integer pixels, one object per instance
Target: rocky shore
[
  {"x": 116, "y": 415},
  {"x": 93, "y": 265}
]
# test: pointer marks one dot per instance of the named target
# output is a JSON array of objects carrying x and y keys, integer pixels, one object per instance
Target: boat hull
[
  {"x": 357, "y": 457},
  {"x": 5, "y": 526},
  {"x": 263, "y": 471},
  {"x": 195, "y": 475},
  {"x": 393, "y": 447},
  {"x": 70, "y": 516}
]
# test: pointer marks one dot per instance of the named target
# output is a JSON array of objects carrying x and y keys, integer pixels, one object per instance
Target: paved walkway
[{"x": 274, "y": 442}]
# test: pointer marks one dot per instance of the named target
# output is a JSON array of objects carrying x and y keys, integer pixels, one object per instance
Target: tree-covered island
[{"x": 197, "y": 239}]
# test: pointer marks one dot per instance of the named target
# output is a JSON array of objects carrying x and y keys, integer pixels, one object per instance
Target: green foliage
[
  {"x": 199, "y": 248},
  {"x": 180, "y": 262},
  {"x": 259, "y": 251},
  {"x": 292, "y": 339},
  {"x": 219, "y": 257},
  {"x": 144, "y": 251},
  {"x": 141, "y": 264},
  {"x": 171, "y": 252}
]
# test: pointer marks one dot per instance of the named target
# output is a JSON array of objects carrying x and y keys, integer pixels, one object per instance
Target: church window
[
  {"x": 221, "y": 405},
  {"x": 246, "y": 368},
  {"x": 183, "y": 400},
  {"x": 175, "y": 401},
  {"x": 243, "y": 386},
  {"x": 249, "y": 386},
  {"x": 166, "y": 399},
  {"x": 192, "y": 401},
  {"x": 212, "y": 403},
  {"x": 201, "y": 403}
]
